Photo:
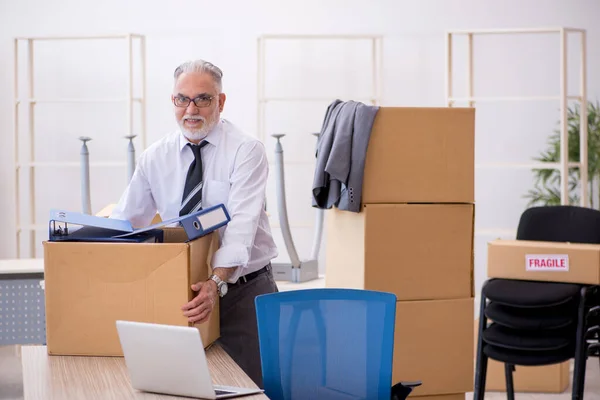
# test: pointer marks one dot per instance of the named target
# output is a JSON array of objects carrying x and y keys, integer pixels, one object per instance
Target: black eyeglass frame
[{"x": 201, "y": 101}]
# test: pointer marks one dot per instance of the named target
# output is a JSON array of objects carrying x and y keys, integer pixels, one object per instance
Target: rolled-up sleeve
[
  {"x": 245, "y": 205},
  {"x": 136, "y": 204}
]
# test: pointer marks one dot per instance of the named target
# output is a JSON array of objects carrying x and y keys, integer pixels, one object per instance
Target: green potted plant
[{"x": 546, "y": 190}]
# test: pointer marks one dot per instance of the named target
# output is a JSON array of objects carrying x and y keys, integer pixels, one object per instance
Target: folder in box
[
  {"x": 96, "y": 234},
  {"x": 90, "y": 228}
]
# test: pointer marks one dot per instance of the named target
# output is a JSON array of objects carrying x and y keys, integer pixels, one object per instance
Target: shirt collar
[{"x": 213, "y": 137}]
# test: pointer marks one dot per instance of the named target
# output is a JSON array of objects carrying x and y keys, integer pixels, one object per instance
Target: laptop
[{"x": 169, "y": 359}]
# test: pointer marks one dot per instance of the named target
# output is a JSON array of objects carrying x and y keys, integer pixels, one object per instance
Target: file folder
[
  {"x": 96, "y": 234},
  {"x": 90, "y": 228}
]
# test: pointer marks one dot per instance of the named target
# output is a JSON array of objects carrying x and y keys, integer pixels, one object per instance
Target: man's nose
[{"x": 192, "y": 109}]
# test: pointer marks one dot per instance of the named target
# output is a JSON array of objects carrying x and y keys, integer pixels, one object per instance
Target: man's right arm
[{"x": 136, "y": 204}]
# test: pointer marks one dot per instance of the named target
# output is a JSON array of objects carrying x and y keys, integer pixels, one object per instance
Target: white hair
[{"x": 201, "y": 66}]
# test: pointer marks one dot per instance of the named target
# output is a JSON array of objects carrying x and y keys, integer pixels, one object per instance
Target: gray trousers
[{"x": 239, "y": 333}]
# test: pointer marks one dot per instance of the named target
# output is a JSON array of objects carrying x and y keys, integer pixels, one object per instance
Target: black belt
[{"x": 248, "y": 277}]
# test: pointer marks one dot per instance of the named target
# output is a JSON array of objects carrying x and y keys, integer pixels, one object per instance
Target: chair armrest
[
  {"x": 401, "y": 390},
  {"x": 411, "y": 384}
]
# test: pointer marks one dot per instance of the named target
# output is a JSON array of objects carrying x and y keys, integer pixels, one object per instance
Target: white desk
[
  {"x": 22, "y": 302},
  {"x": 22, "y": 266}
]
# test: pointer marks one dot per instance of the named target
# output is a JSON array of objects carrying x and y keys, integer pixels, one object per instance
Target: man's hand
[{"x": 198, "y": 310}]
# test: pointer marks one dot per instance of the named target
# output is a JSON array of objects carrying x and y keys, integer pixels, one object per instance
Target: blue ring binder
[{"x": 100, "y": 229}]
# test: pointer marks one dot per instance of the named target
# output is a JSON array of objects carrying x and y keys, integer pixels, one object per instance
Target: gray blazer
[{"x": 341, "y": 153}]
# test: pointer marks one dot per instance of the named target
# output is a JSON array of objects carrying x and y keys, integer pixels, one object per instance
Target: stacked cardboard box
[{"x": 414, "y": 238}]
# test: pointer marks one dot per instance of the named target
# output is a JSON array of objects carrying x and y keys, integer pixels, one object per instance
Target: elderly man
[{"x": 209, "y": 161}]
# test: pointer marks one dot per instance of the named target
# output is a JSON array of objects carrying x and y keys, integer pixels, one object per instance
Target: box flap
[{"x": 201, "y": 251}]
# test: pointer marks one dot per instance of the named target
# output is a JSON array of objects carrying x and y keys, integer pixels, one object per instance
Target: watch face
[{"x": 223, "y": 290}]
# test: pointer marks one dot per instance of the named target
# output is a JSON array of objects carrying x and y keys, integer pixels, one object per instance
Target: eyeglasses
[{"x": 204, "y": 100}]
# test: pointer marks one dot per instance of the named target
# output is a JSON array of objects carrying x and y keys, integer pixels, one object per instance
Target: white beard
[
  {"x": 198, "y": 134},
  {"x": 201, "y": 133}
]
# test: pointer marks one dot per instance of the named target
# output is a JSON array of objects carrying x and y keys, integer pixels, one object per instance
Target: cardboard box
[
  {"x": 433, "y": 342},
  {"x": 544, "y": 261},
  {"x": 88, "y": 286},
  {"x": 416, "y": 251},
  {"x": 553, "y": 378},
  {"x": 544, "y": 379},
  {"x": 457, "y": 396},
  {"x": 421, "y": 155}
]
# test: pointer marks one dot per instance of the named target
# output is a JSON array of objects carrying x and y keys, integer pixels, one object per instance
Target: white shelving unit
[
  {"x": 471, "y": 99},
  {"x": 30, "y": 101},
  {"x": 262, "y": 99},
  {"x": 374, "y": 98}
]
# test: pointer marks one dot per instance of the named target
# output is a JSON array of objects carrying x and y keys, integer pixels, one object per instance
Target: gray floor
[{"x": 11, "y": 381}]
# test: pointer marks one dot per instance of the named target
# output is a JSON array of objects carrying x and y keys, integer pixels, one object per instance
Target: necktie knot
[{"x": 197, "y": 147}]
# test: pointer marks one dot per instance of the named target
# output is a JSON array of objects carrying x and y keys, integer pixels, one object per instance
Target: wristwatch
[{"x": 221, "y": 285}]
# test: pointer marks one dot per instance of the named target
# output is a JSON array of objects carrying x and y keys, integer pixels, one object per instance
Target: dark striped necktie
[{"x": 191, "y": 201}]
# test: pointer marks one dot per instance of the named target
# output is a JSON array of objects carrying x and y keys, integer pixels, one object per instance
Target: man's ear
[{"x": 222, "y": 98}]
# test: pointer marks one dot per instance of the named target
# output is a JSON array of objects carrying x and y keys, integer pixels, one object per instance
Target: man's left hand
[{"x": 198, "y": 310}]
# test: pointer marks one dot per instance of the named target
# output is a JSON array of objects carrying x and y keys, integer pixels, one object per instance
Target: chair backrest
[
  {"x": 560, "y": 224},
  {"x": 326, "y": 343}
]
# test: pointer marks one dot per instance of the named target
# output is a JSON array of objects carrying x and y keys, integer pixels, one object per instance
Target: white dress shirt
[{"x": 235, "y": 174}]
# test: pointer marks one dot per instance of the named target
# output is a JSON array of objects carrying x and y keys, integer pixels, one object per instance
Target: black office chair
[{"x": 541, "y": 323}]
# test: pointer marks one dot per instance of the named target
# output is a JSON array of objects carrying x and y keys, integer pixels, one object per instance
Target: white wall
[{"x": 225, "y": 32}]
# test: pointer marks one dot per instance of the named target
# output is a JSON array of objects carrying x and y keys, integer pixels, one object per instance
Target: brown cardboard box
[
  {"x": 421, "y": 155},
  {"x": 545, "y": 379},
  {"x": 88, "y": 286},
  {"x": 544, "y": 261},
  {"x": 553, "y": 378},
  {"x": 433, "y": 342},
  {"x": 540, "y": 261},
  {"x": 416, "y": 251}
]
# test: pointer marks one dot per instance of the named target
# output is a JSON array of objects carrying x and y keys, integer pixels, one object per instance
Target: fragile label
[{"x": 547, "y": 262}]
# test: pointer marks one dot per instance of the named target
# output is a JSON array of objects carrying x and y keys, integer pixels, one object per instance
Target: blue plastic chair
[{"x": 326, "y": 343}]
